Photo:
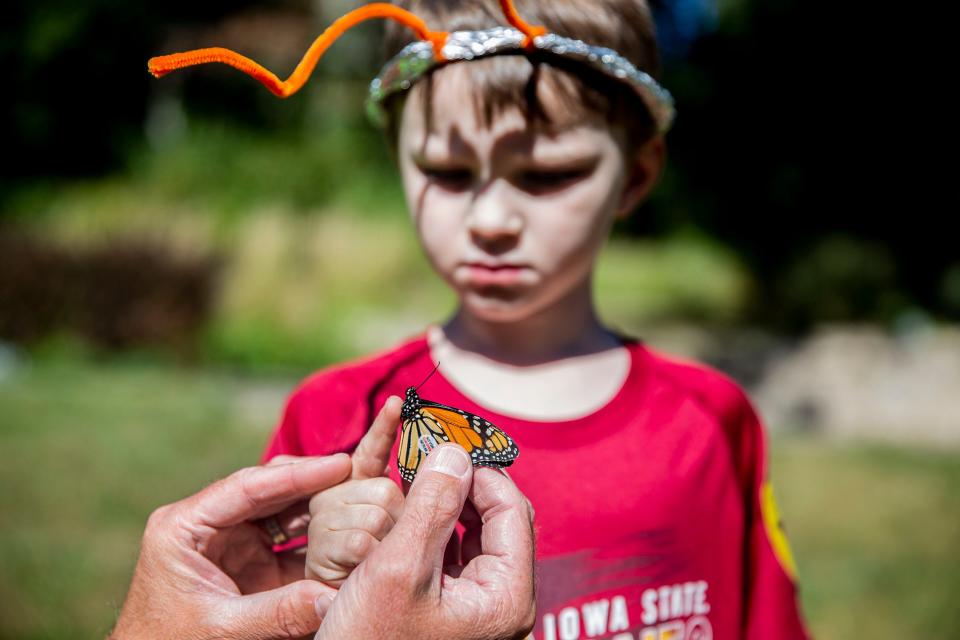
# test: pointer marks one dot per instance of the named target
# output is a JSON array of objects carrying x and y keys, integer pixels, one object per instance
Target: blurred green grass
[
  {"x": 92, "y": 447},
  {"x": 876, "y": 531},
  {"x": 89, "y": 451}
]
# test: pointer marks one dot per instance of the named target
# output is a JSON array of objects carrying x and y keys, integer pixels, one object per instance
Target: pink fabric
[{"x": 648, "y": 511}]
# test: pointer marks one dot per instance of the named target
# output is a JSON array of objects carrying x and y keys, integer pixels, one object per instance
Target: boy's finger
[
  {"x": 382, "y": 492},
  {"x": 372, "y": 455}
]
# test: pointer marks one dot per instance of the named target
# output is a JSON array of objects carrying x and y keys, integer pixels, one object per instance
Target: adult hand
[
  {"x": 200, "y": 556},
  {"x": 403, "y": 589}
]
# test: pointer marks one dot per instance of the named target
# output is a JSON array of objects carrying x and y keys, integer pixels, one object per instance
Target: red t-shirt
[{"x": 653, "y": 514}]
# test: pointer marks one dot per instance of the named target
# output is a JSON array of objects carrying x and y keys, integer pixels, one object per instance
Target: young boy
[{"x": 655, "y": 517}]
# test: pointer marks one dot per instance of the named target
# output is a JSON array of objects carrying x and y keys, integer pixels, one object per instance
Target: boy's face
[{"x": 511, "y": 217}]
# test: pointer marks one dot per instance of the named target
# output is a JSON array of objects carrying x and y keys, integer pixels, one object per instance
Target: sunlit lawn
[{"x": 89, "y": 450}]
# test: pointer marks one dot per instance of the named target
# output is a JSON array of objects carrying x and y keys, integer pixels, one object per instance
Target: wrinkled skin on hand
[
  {"x": 206, "y": 570},
  {"x": 404, "y": 589}
]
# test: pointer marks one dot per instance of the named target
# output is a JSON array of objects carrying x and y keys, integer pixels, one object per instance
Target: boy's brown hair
[{"x": 503, "y": 81}]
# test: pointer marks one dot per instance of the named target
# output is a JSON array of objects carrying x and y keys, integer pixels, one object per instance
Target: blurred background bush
[{"x": 176, "y": 254}]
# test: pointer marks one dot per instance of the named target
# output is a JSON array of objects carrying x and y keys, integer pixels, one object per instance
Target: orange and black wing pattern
[{"x": 426, "y": 424}]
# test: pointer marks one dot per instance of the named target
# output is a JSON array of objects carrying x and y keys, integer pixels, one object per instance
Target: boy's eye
[
  {"x": 531, "y": 180},
  {"x": 550, "y": 179},
  {"x": 449, "y": 178}
]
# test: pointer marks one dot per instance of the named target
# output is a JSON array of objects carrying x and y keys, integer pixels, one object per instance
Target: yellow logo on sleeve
[{"x": 774, "y": 526}]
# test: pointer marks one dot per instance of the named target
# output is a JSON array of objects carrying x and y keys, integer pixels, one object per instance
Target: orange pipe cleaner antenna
[
  {"x": 530, "y": 31},
  {"x": 162, "y": 65}
]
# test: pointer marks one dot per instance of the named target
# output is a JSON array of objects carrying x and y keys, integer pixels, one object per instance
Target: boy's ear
[{"x": 643, "y": 172}]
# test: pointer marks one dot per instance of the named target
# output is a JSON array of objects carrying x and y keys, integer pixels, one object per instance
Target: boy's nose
[{"x": 492, "y": 219}]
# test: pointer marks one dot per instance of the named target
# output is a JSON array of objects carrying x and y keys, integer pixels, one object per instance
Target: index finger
[
  {"x": 256, "y": 492},
  {"x": 372, "y": 455},
  {"x": 507, "y": 521}
]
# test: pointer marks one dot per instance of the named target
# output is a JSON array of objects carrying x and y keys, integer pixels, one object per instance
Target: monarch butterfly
[{"x": 426, "y": 423}]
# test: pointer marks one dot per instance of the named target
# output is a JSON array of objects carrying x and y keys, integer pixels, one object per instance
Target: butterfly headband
[{"x": 433, "y": 49}]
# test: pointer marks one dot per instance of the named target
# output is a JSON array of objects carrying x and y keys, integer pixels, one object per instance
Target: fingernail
[
  {"x": 451, "y": 460},
  {"x": 322, "y": 605}
]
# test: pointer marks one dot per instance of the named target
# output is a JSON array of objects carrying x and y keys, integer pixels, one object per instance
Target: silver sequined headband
[
  {"x": 418, "y": 58},
  {"x": 434, "y": 48}
]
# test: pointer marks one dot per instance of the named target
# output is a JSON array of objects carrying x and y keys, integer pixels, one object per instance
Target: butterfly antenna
[{"x": 428, "y": 377}]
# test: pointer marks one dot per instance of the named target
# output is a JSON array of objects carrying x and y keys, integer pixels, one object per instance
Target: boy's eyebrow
[
  {"x": 517, "y": 142},
  {"x": 553, "y": 159}
]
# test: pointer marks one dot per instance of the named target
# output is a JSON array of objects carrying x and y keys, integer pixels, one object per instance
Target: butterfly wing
[
  {"x": 419, "y": 436},
  {"x": 487, "y": 444},
  {"x": 426, "y": 424}
]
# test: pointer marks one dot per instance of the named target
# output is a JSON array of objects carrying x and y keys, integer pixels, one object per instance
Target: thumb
[
  {"x": 292, "y": 611},
  {"x": 430, "y": 511},
  {"x": 372, "y": 455}
]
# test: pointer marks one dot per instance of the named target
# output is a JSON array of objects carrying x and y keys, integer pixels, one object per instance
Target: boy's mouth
[{"x": 493, "y": 273}]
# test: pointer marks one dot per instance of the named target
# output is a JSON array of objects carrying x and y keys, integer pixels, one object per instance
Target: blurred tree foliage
[
  {"x": 780, "y": 150},
  {"x": 789, "y": 147},
  {"x": 113, "y": 297},
  {"x": 79, "y": 79}
]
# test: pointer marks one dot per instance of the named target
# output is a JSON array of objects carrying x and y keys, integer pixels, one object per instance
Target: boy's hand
[{"x": 349, "y": 520}]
